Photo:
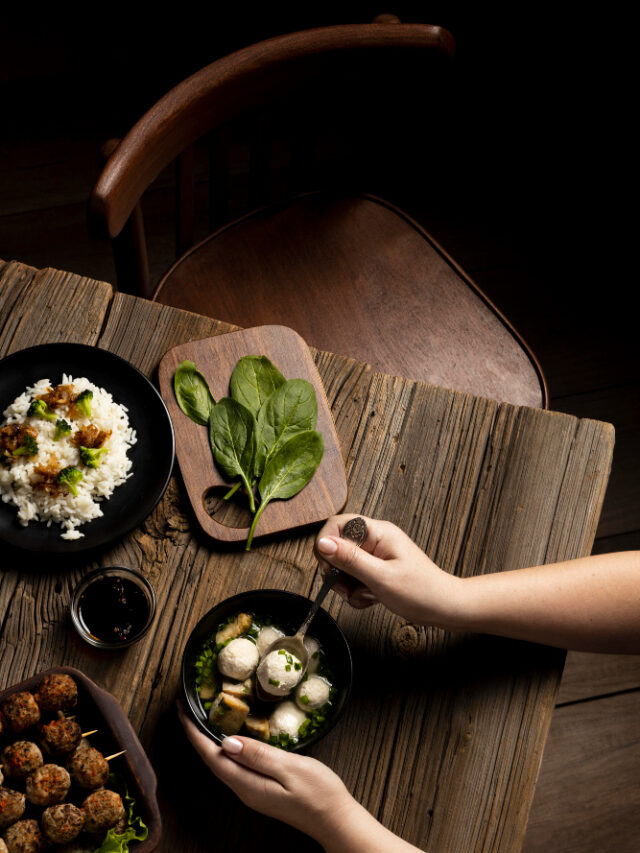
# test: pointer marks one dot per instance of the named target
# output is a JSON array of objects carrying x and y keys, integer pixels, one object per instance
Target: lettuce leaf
[{"x": 115, "y": 842}]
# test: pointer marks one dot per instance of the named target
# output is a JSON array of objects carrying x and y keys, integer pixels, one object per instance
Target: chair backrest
[{"x": 250, "y": 78}]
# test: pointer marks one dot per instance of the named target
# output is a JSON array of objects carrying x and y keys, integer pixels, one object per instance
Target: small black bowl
[{"x": 288, "y": 610}]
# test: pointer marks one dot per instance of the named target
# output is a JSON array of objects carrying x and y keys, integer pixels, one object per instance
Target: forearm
[
  {"x": 355, "y": 830},
  {"x": 588, "y": 604}
]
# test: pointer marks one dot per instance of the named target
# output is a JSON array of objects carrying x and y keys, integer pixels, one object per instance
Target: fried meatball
[
  {"x": 47, "y": 785},
  {"x": 21, "y": 758},
  {"x": 60, "y": 736},
  {"x": 12, "y": 805},
  {"x": 56, "y": 692},
  {"x": 62, "y": 823},
  {"x": 88, "y": 767},
  {"x": 3, "y": 847},
  {"x": 102, "y": 810},
  {"x": 20, "y": 711},
  {"x": 25, "y": 836}
]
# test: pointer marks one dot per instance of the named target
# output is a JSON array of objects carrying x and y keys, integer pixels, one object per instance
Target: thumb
[{"x": 346, "y": 555}]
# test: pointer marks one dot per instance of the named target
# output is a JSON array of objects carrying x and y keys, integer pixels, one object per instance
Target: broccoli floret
[
  {"x": 62, "y": 428},
  {"x": 92, "y": 456},
  {"x": 83, "y": 402},
  {"x": 29, "y": 447},
  {"x": 39, "y": 409},
  {"x": 68, "y": 477}
]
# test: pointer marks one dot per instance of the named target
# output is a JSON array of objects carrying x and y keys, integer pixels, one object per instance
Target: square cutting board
[{"x": 216, "y": 358}]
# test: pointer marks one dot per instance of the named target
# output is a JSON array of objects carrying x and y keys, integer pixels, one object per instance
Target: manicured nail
[
  {"x": 232, "y": 745},
  {"x": 359, "y": 597},
  {"x": 327, "y": 546}
]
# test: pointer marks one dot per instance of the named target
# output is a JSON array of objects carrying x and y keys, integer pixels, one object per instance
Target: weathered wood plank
[
  {"x": 452, "y": 726},
  {"x": 620, "y": 405},
  {"x": 48, "y": 306},
  {"x": 591, "y": 766}
]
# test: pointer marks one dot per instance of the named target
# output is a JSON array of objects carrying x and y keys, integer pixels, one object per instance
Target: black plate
[
  {"x": 151, "y": 456},
  {"x": 288, "y": 610}
]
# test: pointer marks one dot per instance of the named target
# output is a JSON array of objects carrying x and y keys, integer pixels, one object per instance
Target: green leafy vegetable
[
  {"x": 39, "y": 409},
  {"x": 62, "y": 428},
  {"x": 69, "y": 477},
  {"x": 232, "y": 435},
  {"x": 29, "y": 447},
  {"x": 83, "y": 402},
  {"x": 118, "y": 842},
  {"x": 251, "y": 428},
  {"x": 192, "y": 393},
  {"x": 292, "y": 408},
  {"x": 288, "y": 471},
  {"x": 253, "y": 380},
  {"x": 92, "y": 456}
]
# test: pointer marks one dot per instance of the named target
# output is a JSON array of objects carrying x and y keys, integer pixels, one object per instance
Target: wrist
[
  {"x": 340, "y": 828},
  {"x": 453, "y": 610}
]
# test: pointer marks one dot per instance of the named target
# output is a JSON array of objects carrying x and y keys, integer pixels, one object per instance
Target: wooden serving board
[{"x": 216, "y": 358}]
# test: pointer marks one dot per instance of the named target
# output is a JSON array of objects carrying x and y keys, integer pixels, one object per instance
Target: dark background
[{"x": 528, "y": 179}]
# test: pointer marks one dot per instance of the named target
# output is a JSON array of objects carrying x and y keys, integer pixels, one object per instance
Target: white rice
[{"x": 70, "y": 511}]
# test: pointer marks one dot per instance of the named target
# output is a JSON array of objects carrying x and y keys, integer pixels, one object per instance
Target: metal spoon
[{"x": 355, "y": 530}]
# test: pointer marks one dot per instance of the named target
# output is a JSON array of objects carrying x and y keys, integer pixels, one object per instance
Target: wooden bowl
[
  {"x": 97, "y": 709},
  {"x": 288, "y": 610}
]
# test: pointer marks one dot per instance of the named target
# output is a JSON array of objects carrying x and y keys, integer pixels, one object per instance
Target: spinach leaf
[
  {"x": 192, "y": 393},
  {"x": 232, "y": 435},
  {"x": 292, "y": 408},
  {"x": 253, "y": 379},
  {"x": 288, "y": 471}
]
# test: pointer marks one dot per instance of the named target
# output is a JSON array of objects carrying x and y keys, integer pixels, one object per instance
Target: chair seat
[{"x": 355, "y": 276}]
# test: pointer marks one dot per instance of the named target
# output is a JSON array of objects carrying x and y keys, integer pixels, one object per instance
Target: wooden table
[{"x": 444, "y": 733}]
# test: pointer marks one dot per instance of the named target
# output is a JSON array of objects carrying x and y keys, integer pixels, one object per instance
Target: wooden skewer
[
  {"x": 115, "y": 755},
  {"x": 86, "y": 734}
]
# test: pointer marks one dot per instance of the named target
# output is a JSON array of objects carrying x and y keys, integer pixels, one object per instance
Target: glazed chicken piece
[
  {"x": 58, "y": 397},
  {"x": 12, "y": 437},
  {"x": 90, "y": 436}
]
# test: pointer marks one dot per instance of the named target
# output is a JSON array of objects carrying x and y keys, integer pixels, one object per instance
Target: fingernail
[
  {"x": 363, "y": 597},
  {"x": 232, "y": 745},
  {"x": 327, "y": 546}
]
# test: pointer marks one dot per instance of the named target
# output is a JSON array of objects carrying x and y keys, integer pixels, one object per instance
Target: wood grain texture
[
  {"x": 592, "y": 764},
  {"x": 621, "y": 511},
  {"x": 216, "y": 358},
  {"x": 355, "y": 276},
  {"x": 445, "y": 748},
  {"x": 591, "y": 675},
  {"x": 27, "y": 311}
]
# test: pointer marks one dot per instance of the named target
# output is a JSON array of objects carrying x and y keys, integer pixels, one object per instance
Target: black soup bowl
[{"x": 287, "y": 610}]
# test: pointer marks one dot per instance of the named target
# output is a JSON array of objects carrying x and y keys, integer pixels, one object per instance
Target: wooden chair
[{"x": 348, "y": 270}]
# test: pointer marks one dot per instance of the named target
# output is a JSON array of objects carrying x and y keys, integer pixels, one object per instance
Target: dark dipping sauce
[{"x": 113, "y": 609}]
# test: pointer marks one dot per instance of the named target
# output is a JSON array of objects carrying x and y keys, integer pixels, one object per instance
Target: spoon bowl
[{"x": 356, "y": 531}]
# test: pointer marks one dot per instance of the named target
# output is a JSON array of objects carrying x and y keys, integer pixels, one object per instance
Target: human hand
[
  {"x": 293, "y": 788},
  {"x": 388, "y": 568}
]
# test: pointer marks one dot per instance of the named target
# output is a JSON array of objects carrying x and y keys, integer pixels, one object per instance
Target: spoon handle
[{"x": 356, "y": 530}]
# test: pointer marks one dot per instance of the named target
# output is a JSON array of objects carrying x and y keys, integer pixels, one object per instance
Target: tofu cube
[
  {"x": 228, "y": 713},
  {"x": 237, "y": 626}
]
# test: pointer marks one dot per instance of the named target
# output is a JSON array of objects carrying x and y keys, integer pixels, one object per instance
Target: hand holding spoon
[{"x": 354, "y": 530}]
